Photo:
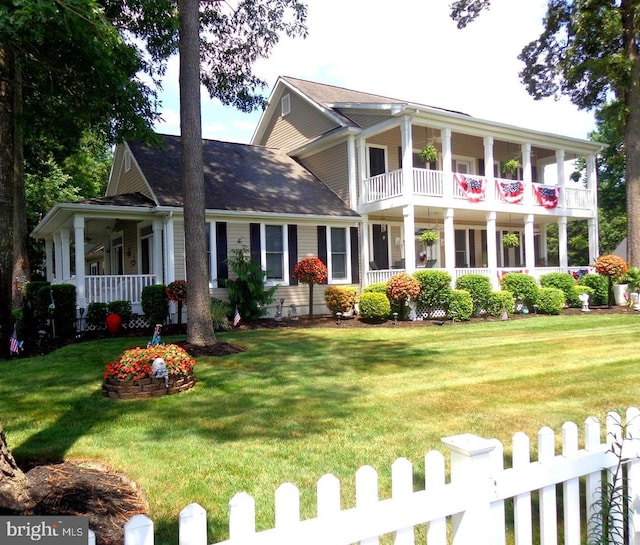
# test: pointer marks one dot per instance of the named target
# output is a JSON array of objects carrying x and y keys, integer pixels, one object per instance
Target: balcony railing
[
  {"x": 107, "y": 288},
  {"x": 437, "y": 184}
]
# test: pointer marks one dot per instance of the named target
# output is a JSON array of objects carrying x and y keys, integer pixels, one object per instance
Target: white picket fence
[{"x": 469, "y": 508}]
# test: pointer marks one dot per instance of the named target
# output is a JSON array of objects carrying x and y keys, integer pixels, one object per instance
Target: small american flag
[
  {"x": 236, "y": 318},
  {"x": 14, "y": 345}
]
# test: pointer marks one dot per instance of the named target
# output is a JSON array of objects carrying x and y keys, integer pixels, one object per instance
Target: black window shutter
[
  {"x": 254, "y": 242},
  {"x": 355, "y": 256},
  {"x": 221, "y": 249},
  {"x": 293, "y": 252},
  {"x": 322, "y": 244},
  {"x": 481, "y": 170}
]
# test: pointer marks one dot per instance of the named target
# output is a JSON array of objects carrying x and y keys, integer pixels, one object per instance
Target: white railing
[
  {"x": 429, "y": 183},
  {"x": 473, "y": 507},
  {"x": 383, "y": 186},
  {"x": 575, "y": 197},
  {"x": 107, "y": 288}
]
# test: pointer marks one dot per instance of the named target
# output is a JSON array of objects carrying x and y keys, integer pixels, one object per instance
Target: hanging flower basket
[
  {"x": 429, "y": 237},
  {"x": 511, "y": 240},
  {"x": 429, "y": 154}
]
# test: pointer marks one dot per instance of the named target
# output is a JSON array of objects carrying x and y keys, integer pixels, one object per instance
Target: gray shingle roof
[{"x": 240, "y": 177}]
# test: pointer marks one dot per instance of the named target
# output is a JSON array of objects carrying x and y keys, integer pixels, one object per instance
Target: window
[
  {"x": 275, "y": 259},
  {"x": 377, "y": 161},
  {"x": 338, "y": 255},
  {"x": 285, "y": 104}
]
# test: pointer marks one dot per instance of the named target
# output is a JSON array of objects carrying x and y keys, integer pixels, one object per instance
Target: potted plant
[
  {"x": 612, "y": 267},
  {"x": 428, "y": 237},
  {"x": 511, "y": 166},
  {"x": 429, "y": 154},
  {"x": 511, "y": 240}
]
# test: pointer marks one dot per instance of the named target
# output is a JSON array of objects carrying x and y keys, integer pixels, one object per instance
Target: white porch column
[
  {"x": 353, "y": 175},
  {"x": 561, "y": 177},
  {"x": 157, "y": 251},
  {"x": 57, "y": 239},
  {"x": 66, "y": 255},
  {"x": 562, "y": 242},
  {"x": 409, "y": 227},
  {"x": 362, "y": 166},
  {"x": 447, "y": 162},
  {"x": 488, "y": 157},
  {"x": 449, "y": 242},
  {"x": 48, "y": 249},
  {"x": 78, "y": 237},
  {"x": 365, "y": 254},
  {"x": 529, "y": 243},
  {"x": 527, "y": 173},
  {"x": 592, "y": 185},
  {"x": 170, "y": 256},
  {"x": 492, "y": 250},
  {"x": 407, "y": 158}
]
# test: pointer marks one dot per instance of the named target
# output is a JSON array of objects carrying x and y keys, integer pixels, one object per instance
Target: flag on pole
[
  {"x": 236, "y": 318},
  {"x": 14, "y": 344}
]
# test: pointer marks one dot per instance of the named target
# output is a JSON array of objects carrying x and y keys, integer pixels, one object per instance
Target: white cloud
[{"x": 413, "y": 51}]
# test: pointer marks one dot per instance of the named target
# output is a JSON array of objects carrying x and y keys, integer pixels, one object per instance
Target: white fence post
[
  {"x": 614, "y": 440},
  {"x": 470, "y": 464},
  {"x": 571, "y": 488},
  {"x": 548, "y": 516},
  {"x": 498, "y": 530},
  {"x": 593, "y": 481},
  {"x": 367, "y": 494},
  {"x": 434, "y": 477},
  {"x": 138, "y": 531},
  {"x": 402, "y": 487},
  {"x": 328, "y": 494},
  {"x": 287, "y": 505},
  {"x": 193, "y": 525},
  {"x": 523, "y": 522},
  {"x": 242, "y": 516}
]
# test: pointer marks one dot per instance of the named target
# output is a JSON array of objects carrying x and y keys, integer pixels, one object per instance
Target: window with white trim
[
  {"x": 285, "y": 104},
  {"x": 275, "y": 256},
  {"x": 338, "y": 251}
]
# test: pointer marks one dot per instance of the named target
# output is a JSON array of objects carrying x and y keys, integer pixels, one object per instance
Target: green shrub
[
  {"x": 500, "y": 301},
  {"x": 340, "y": 298},
  {"x": 435, "y": 289},
  {"x": 155, "y": 304},
  {"x": 522, "y": 286},
  {"x": 97, "y": 314},
  {"x": 460, "y": 306},
  {"x": 122, "y": 308},
  {"x": 377, "y": 287},
  {"x": 374, "y": 306},
  {"x": 62, "y": 310},
  {"x": 220, "y": 312},
  {"x": 599, "y": 285},
  {"x": 34, "y": 315},
  {"x": 564, "y": 282},
  {"x": 247, "y": 292},
  {"x": 479, "y": 288},
  {"x": 550, "y": 300}
]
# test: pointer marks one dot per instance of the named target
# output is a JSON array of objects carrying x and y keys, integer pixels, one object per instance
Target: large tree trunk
[
  {"x": 14, "y": 493},
  {"x": 21, "y": 268},
  {"x": 6, "y": 196},
  {"x": 199, "y": 325},
  {"x": 632, "y": 133}
]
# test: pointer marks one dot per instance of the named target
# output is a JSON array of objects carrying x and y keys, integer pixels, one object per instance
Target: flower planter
[
  {"x": 146, "y": 387},
  {"x": 619, "y": 291}
]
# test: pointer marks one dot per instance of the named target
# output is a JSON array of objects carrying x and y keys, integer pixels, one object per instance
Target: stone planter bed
[{"x": 146, "y": 387}]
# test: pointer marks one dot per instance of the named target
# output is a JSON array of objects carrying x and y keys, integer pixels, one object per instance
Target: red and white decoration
[
  {"x": 511, "y": 191},
  {"x": 472, "y": 186},
  {"x": 548, "y": 196}
]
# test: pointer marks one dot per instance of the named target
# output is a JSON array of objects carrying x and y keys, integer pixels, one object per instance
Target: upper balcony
[{"x": 459, "y": 190}]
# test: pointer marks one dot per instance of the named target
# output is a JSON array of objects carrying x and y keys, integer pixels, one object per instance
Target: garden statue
[
  {"x": 413, "y": 309},
  {"x": 156, "y": 340},
  {"x": 584, "y": 299},
  {"x": 159, "y": 370},
  {"x": 293, "y": 312},
  {"x": 278, "y": 316}
]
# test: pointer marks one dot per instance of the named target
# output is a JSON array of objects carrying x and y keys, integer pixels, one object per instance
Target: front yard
[{"x": 303, "y": 402}]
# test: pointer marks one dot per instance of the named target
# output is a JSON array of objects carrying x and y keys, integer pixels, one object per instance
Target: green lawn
[{"x": 301, "y": 403}]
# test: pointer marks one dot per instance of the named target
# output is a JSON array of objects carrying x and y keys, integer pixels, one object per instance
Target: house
[{"x": 338, "y": 174}]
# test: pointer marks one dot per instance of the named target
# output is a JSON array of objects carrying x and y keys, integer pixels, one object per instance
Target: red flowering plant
[
  {"x": 177, "y": 291},
  {"x": 310, "y": 270},
  {"x": 135, "y": 364},
  {"x": 611, "y": 266},
  {"x": 400, "y": 288}
]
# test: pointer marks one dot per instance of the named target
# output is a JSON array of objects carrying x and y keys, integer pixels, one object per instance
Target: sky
[{"x": 409, "y": 50}]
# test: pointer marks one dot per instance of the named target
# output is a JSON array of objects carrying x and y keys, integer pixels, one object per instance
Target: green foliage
[
  {"x": 220, "y": 312},
  {"x": 460, "y": 306},
  {"x": 600, "y": 288},
  {"x": 479, "y": 288},
  {"x": 96, "y": 314},
  {"x": 122, "y": 308},
  {"x": 632, "y": 278},
  {"x": 33, "y": 316},
  {"x": 248, "y": 291},
  {"x": 522, "y": 286},
  {"x": 550, "y": 300},
  {"x": 499, "y": 301},
  {"x": 155, "y": 304},
  {"x": 62, "y": 310},
  {"x": 579, "y": 289},
  {"x": 377, "y": 287},
  {"x": 340, "y": 298},
  {"x": 435, "y": 288},
  {"x": 564, "y": 282},
  {"x": 374, "y": 306}
]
